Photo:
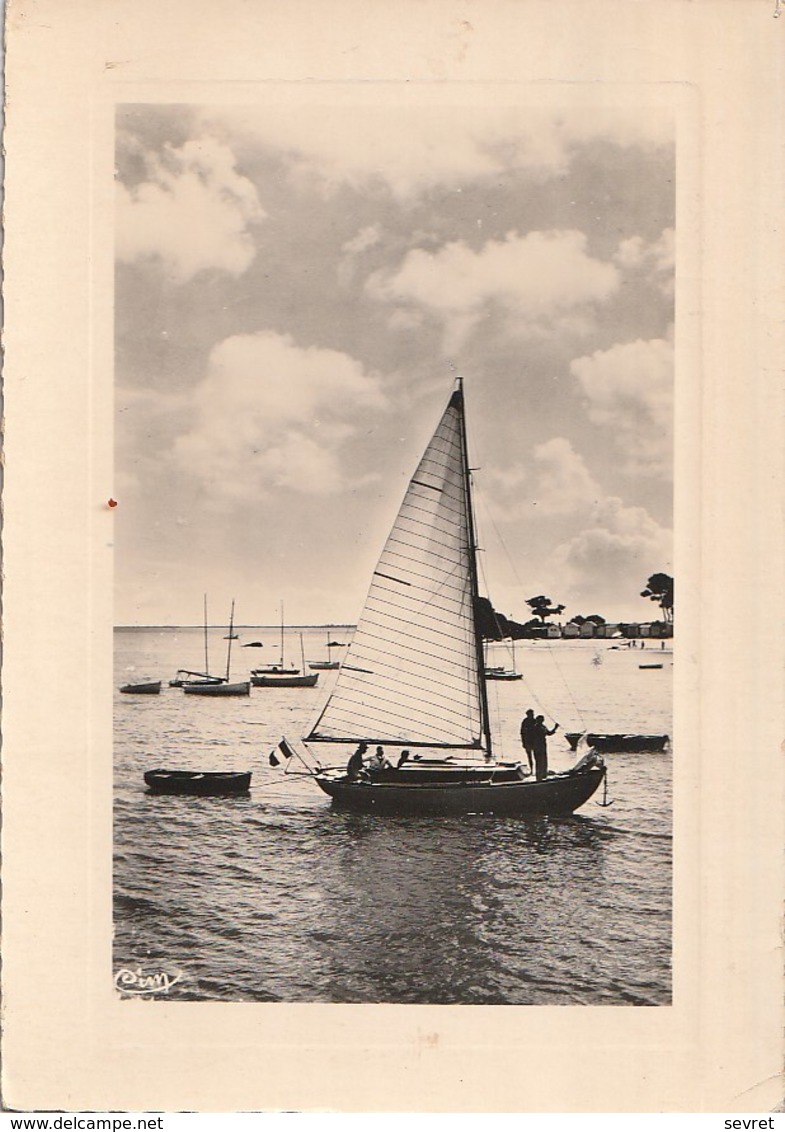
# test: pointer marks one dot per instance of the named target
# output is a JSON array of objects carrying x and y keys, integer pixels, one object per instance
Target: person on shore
[
  {"x": 527, "y": 736},
  {"x": 355, "y": 763},
  {"x": 540, "y": 735}
]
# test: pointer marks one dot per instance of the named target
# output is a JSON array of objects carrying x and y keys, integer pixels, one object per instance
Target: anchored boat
[
  {"x": 223, "y": 688},
  {"x": 413, "y": 680},
  {"x": 208, "y": 782},
  {"x": 278, "y": 675},
  {"x": 149, "y": 688},
  {"x": 628, "y": 742}
]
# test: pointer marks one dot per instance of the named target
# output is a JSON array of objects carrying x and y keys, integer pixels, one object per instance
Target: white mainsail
[{"x": 412, "y": 674}]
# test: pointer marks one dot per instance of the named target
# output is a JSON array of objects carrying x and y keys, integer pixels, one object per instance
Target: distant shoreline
[{"x": 270, "y": 628}]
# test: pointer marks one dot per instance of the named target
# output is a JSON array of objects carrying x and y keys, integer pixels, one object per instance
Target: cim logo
[{"x": 138, "y": 981}]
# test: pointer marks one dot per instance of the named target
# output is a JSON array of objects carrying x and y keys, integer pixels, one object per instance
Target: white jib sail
[{"x": 411, "y": 673}]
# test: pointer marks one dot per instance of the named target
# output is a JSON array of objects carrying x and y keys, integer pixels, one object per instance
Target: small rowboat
[
  {"x": 649, "y": 666},
  {"x": 198, "y": 782},
  {"x": 151, "y": 688},
  {"x": 618, "y": 742}
]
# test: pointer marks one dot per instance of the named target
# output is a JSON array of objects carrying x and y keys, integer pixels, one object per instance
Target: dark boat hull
[
  {"x": 273, "y": 680},
  {"x": 242, "y": 689},
  {"x": 611, "y": 743},
  {"x": 193, "y": 782},
  {"x": 557, "y": 794},
  {"x": 150, "y": 689}
]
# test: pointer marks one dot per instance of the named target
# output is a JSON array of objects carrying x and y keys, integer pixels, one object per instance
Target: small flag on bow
[{"x": 283, "y": 749}]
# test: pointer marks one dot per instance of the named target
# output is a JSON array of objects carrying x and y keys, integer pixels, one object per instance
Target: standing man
[
  {"x": 540, "y": 735},
  {"x": 527, "y": 737}
]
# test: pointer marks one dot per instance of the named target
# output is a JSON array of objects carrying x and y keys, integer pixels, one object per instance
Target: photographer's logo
[{"x": 135, "y": 980}]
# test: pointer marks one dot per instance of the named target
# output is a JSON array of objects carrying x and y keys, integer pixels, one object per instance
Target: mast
[
  {"x": 281, "y": 633},
  {"x": 229, "y": 643},
  {"x": 479, "y": 644},
  {"x": 206, "y": 661}
]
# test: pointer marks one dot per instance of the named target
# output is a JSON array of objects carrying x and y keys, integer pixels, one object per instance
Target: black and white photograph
[
  {"x": 394, "y": 602},
  {"x": 372, "y": 375}
]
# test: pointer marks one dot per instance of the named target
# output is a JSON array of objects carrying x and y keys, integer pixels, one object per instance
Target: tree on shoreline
[
  {"x": 659, "y": 588},
  {"x": 541, "y": 607}
]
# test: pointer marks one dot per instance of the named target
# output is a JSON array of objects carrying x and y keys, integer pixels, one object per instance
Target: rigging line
[
  {"x": 374, "y": 669},
  {"x": 427, "y": 622},
  {"x": 399, "y": 707},
  {"x": 567, "y": 686},
  {"x": 457, "y": 592},
  {"x": 396, "y": 626},
  {"x": 450, "y": 539},
  {"x": 449, "y": 701},
  {"x": 444, "y": 442},
  {"x": 382, "y": 724},
  {"x": 391, "y": 641},
  {"x": 423, "y": 549},
  {"x": 444, "y": 489},
  {"x": 547, "y": 640},
  {"x": 434, "y": 583},
  {"x": 438, "y": 513},
  {"x": 447, "y": 569},
  {"x": 392, "y": 558},
  {"x": 463, "y": 702},
  {"x": 353, "y": 721}
]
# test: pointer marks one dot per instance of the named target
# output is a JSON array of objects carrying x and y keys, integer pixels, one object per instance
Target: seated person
[{"x": 379, "y": 761}]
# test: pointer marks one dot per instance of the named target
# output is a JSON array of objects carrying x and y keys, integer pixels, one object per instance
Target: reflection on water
[{"x": 280, "y": 897}]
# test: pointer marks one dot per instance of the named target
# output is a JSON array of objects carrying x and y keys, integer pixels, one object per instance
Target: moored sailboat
[
  {"x": 329, "y": 664},
  {"x": 279, "y": 676},
  {"x": 186, "y": 677},
  {"x": 223, "y": 688},
  {"x": 413, "y": 679}
]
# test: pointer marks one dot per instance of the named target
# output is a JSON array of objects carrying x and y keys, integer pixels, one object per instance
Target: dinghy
[
  {"x": 210, "y": 782},
  {"x": 413, "y": 680},
  {"x": 627, "y": 742},
  {"x": 150, "y": 688}
]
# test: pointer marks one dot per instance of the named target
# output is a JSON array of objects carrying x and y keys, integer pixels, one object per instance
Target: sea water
[{"x": 279, "y": 897}]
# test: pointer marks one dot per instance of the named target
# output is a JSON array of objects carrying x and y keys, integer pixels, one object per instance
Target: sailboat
[
  {"x": 499, "y": 672},
  {"x": 329, "y": 664},
  {"x": 279, "y": 676},
  {"x": 412, "y": 681},
  {"x": 185, "y": 677},
  {"x": 224, "y": 688}
]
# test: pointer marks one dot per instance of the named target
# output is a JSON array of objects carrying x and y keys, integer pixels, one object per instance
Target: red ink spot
[{"x": 112, "y": 503}]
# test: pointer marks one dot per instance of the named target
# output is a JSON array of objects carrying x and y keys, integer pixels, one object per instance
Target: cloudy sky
[{"x": 296, "y": 287}]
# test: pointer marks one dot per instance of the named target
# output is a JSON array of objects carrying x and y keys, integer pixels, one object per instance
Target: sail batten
[{"x": 412, "y": 671}]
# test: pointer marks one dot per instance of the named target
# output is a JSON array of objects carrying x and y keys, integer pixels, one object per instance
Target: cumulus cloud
[
  {"x": 657, "y": 259},
  {"x": 618, "y": 543},
  {"x": 629, "y": 390},
  {"x": 272, "y": 414},
  {"x": 600, "y": 543},
  {"x": 353, "y": 249},
  {"x": 541, "y": 281},
  {"x": 556, "y": 482},
  {"x": 193, "y": 212},
  {"x": 364, "y": 239},
  {"x": 410, "y": 147}
]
